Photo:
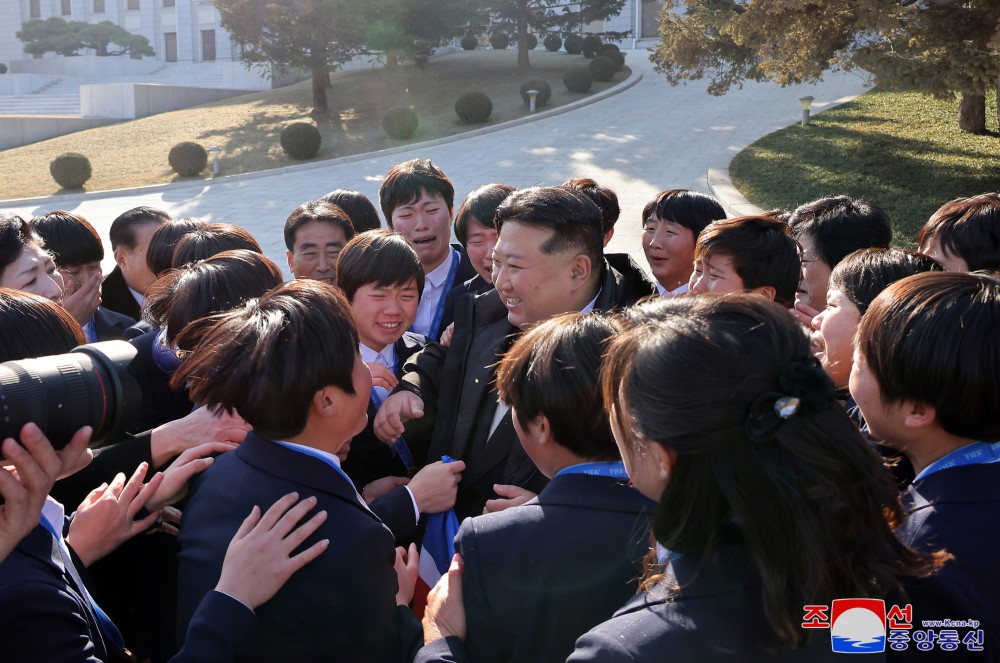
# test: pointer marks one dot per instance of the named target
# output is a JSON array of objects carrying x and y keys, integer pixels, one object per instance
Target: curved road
[{"x": 648, "y": 138}]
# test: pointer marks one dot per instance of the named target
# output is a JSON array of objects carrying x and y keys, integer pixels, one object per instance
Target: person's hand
[
  {"x": 106, "y": 517},
  {"x": 445, "y": 612},
  {"x": 176, "y": 477},
  {"x": 803, "y": 313},
  {"x": 36, "y": 466},
  {"x": 199, "y": 427},
  {"x": 85, "y": 297},
  {"x": 447, "y": 334},
  {"x": 376, "y": 489},
  {"x": 396, "y": 410},
  {"x": 169, "y": 522},
  {"x": 435, "y": 486},
  {"x": 509, "y": 496},
  {"x": 407, "y": 566},
  {"x": 258, "y": 561},
  {"x": 382, "y": 376}
]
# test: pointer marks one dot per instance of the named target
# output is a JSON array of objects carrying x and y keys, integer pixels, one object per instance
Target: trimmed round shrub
[
  {"x": 544, "y": 92},
  {"x": 617, "y": 57},
  {"x": 578, "y": 79},
  {"x": 301, "y": 140},
  {"x": 573, "y": 44},
  {"x": 400, "y": 122},
  {"x": 3, "y": 68},
  {"x": 553, "y": 42},
  {"x": 469, "y": 42},
  {"x": 602, "y": 69},
  {"x": 70, "y": 170},
  {"x": 187, "y": 159},
  {"x": 473, "y": 107},
  {"x": 532, "y": 42},
  {"x": 591, "y": 44},
  {"x": 499, "y": 41},
  {"x": 605, "y": 48}
]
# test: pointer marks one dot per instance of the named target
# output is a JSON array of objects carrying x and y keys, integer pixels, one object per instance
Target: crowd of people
[{"x": 790, "y": 412}]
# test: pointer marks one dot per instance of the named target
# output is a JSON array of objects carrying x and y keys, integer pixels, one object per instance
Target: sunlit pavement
[{"x": 646, "y": 139}]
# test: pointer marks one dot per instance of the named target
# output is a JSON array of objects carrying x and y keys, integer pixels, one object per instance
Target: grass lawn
[
  {"x": 901, "y": 150},
  {"x": 134, "y": 153}
]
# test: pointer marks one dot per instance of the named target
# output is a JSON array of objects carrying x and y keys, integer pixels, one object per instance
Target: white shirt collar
[
  {"x": 332, "y": 457},
  {"x": 139, "y": 299},
  {"x": 683, "y": 289},
  {"x": 437, "y": 277},
  {"x": 589, "y": 308},
  {"x": 388, "y": 354},
  {"x": 54, "y": 513}
]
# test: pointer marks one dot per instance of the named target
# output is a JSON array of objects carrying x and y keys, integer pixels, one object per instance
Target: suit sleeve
[
  {"x": 445, "y": 650},
  {"x": 40, "y": 622},
  {"x": 395, "y": 509},
  {"x": 601, "y": 645},
  {"x": 484, "y": 640},
  {"x": 422, "y": 373},
  {"x": 123, "y": 456},
  {"x": 219, "y": 625}
]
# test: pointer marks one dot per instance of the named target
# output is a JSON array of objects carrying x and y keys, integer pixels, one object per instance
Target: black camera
[{"x": 90, "y": 386}]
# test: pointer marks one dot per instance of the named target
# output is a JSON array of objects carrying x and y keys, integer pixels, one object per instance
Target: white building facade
[{"x": 178, "y": 30}]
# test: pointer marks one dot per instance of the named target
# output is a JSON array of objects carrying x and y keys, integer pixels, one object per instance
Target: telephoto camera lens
[{"x": 90, "y": 386}]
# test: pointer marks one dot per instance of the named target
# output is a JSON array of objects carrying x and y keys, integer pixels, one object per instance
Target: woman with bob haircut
[{"x": 768, "y": 497}]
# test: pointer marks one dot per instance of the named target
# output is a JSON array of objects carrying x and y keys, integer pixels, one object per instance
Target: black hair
[
  {"x": 839, "y": 225},
  {"x": 381, "y": 257},
  {"x": 690, "y": 209},
  {"x": 404, "y": 183},
  {"x": 69, "y": 238},
  {"x": 481, "y": 204},
  {"x": 316, "y": 212},
  {"x": 358, "y": 206},
  {"x": 122, "y": 233},
  {"x": 862, "y": 275},
  {"x": 602, "y": 196}
]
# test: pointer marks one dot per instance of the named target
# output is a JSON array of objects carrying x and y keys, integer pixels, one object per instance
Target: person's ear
[
  {"x": 608, "y": 235},
  {"x": 324, "y": 402},
  {"x": 120, "y": 257},
  {"x": 580, "y": 269},
  {"x": 765, "y": 291},
  {"x": 919, "y": 415},
  {"x": 291, "y": 267},
  {"x": 540, "y": 430},
  {"x": 665, "y": 458}
]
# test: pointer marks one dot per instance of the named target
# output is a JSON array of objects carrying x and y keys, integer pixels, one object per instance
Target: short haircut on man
[
  {"x": 404, "y": 183},
  {"x": 839, "y": 225},
  {"x": 481, "y": 204},
  {"x": 211, "y": 239},
  {"x": 160, "y": 252},
  {"x": 268, "y": 358},
  {"x": 931, "y": 339},
  {"x": 69, "y": 238},
  {"x": 968, "y": 228},
  {"x": 358, "y": 207},
  {"x": 15, "y": 234},
  {"x": 762, "y": 249},
  {"x": 381, "y": 258},
  {"x": 602, "y": 196},
  {"x": 554, "y": 370},
  {"x": 575, "y": 221},
  {"x": 689, "y": 209},
  {"x": 123, "y": 228},
  {"x": 862, "y": 275},
  {"x": 316, "y": 212}
]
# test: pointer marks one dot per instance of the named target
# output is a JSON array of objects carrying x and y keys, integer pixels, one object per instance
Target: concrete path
[{"x": 649, "y": 138}]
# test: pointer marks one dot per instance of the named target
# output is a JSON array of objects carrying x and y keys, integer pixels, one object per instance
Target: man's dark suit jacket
[
  {"x": 456, "y": 387},
  {"x": 717, "y": 616},
  {"x": 371, "y": 459},
  {"x": 472, "y": 286},
  {"x": 340, "y": 607},
  {"x": 116, "y": 296},
  {"x": 160, "y": 403},
  {"x": 111, "y": 326},
  {"x": 958, "y": 509},
  {"x": 634, "y": 279},
  {"x": 538, "y": 576}
]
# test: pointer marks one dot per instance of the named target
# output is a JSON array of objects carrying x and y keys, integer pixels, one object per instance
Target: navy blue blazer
[
  {"x": 44, "y": 613},
  {"x": 111, "y": 326},
  {"x": 160, "y": 403},
  {"x": 340, "y": 607},
  {"x": 538, "y": 576},
  {"x": 958, "y": 509}
]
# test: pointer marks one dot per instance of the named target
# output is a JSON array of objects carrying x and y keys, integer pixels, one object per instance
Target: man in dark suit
[
  {"x": 537, "y": 577},
  {"x": 380, "y": 274},
  {"x": 125, "y": 287},
  {"x": 548, "y": 260},
  {"x": 342, "y": 607}
]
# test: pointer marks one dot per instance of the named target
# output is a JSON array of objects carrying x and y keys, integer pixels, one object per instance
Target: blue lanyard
[
  {"x": 90, "y": 331},
  {"x": 400, "y": 446},
  {"x": 164, "y": 356},
  {"x": 108, "y": 628},
  {"x": 614, "y": 469},
  {"x": 977, "y": 453},
  {"x": 317, "y": 455},
  {"x": 434, "y": 332}
]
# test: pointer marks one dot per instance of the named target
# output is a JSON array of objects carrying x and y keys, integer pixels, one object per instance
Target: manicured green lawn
[{"x": 901, "y": 150}]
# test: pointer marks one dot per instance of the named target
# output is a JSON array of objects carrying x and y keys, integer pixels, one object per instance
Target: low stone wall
[
  {"x": 17, "y": 130},
  {"x": 86, "y": 65},
  {"x": 134, "y": 100},
  {"x": 23, "y": 84}
]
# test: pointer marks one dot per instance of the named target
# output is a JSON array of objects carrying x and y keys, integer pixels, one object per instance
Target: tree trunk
[
  {"x": 972, "y": 113},
  {"x": 522, "y": 36},
  {"x": 319, "y": 85},
  {"x": 998, "y": 104}
]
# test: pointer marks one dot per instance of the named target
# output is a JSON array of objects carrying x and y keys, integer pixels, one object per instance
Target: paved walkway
[{"x": 649, "y": 138}]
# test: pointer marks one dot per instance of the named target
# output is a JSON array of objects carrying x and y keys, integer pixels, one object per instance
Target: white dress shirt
[{"x": 434, "y": 282}]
